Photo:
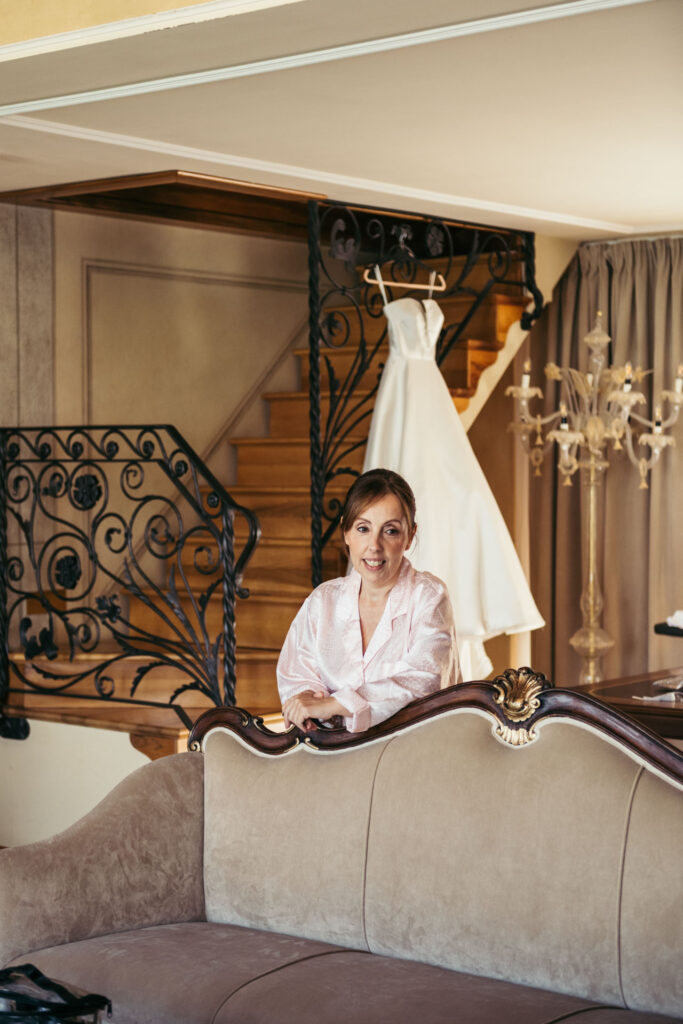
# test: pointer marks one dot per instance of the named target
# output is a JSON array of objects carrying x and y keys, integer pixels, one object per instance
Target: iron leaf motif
[{"x": 45, "y": 644}]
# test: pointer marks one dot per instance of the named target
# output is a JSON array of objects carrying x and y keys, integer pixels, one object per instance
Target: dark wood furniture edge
[
  {"x": 518, "y": 702},
  {"x": 121, "y": 182},
  {"x": 664, "y": 629},
  {"x": 663, "y": 719}
]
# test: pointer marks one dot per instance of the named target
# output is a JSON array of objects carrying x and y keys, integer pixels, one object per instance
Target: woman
[{"x": 364, "y": 645}]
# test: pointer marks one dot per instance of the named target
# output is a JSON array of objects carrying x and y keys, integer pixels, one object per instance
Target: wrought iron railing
[
  {"x": 117, "y": 566},
  {"x": 342, "y": 241}
]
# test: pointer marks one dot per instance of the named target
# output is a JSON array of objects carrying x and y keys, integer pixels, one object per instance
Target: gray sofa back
[{"x": 551, "y": 864}]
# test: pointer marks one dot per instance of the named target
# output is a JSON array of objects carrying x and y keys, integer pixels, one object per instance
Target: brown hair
[{"x": 371, "y": 486}]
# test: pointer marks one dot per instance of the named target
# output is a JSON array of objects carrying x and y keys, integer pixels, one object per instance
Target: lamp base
[{"x": 592, "y": 643}]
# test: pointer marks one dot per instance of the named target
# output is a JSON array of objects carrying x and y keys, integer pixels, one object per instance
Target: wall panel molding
[{"x": 92, "y": 268}]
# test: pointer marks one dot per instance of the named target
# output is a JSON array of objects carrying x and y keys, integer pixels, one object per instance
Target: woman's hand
[{"x": 300, "y": 709}]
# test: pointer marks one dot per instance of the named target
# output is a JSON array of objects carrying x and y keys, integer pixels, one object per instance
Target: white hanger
[{"x": 437, "y": 282}]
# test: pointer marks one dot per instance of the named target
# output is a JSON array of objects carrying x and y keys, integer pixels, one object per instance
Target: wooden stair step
[
  {"x": 155, "y": 732},
  {"x": 268, "y": 580},
  {"x": 262, "y": 619},
  {"x": 453, "y": 369},
  {"x": 492, "y": 319},
  {"x": 279, "y": 553},
  {"x": 469, "y": 363},
  {"x": 255, "y": 671},
  {"x": 289, "y": 410},
  {"x": 284, "y": 459},
  {"x": 284, "y": 511}
]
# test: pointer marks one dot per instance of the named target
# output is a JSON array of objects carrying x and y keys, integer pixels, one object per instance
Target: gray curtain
[{"x": 638, "y": 286}]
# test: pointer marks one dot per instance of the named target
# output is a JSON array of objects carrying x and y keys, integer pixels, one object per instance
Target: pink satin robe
[{"x": 411, "y": 653}]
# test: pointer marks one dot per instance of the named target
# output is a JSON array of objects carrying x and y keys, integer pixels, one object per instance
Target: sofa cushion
[
  {"x": 285, "y": 838},
  {"x": 196, "y": 973},
  {"x": 175, "y": 973},
  {"x": 350, "y": 987}
]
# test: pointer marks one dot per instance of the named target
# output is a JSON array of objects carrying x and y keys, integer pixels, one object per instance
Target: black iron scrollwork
[
  {"x": 117, "y": 565},
  {"x": 345, "y": 313}
]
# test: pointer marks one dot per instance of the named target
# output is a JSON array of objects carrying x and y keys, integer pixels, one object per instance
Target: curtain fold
[{"x": 638, "y": 286}]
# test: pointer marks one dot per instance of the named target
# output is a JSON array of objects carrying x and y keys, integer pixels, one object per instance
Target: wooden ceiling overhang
[
  {"x": 182, "y": 197},
  {"x": 206, "y": 201}
]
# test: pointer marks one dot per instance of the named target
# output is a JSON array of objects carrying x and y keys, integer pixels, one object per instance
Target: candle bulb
[
  {"x": 658, "y": 420},
  {"x": 526, "y": 376},
  {"x": 564, "y": 425},
  {"x": 628, "y": 369},
  {"x": 589, "y": 381},
  {"x": 678, "y": 385}
]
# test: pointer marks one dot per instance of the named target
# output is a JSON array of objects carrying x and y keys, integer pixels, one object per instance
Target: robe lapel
[{"x": 380, "y": 636}]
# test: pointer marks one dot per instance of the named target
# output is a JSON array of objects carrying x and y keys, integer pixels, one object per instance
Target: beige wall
[
  {"x": 552, "y": 259},
  {"x": 56, "y": 776},
  {"x": 30, "y": 20},
  {"x": 165, "y": 324}
]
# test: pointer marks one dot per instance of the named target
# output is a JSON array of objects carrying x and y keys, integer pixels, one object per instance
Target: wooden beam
[{"x": 185, "y": 197}]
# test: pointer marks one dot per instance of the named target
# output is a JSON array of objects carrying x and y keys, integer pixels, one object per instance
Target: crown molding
[
  {"x": 135, "y": 26},
  {"x": 272, "y": 169},
  {"x": 311, "y": 57}
]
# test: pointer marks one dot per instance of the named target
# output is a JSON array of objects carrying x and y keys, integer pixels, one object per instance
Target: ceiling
[{"x": 564, "y": 119}]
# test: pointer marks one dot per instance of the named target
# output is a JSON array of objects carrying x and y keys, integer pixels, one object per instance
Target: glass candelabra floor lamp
[{"x": 598, "y": 411}]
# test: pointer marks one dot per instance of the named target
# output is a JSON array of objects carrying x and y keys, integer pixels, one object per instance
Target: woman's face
[{"x": 377, "y": 539}]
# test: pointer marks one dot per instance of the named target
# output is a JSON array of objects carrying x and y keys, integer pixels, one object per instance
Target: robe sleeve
[{"x": 297, "y": 667}]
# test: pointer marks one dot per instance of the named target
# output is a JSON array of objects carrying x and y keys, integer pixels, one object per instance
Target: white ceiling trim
[
  {"x": 298, "y": 60},
  {"x": 135, "y": 26},
  {"x": 313, "y": 177}
]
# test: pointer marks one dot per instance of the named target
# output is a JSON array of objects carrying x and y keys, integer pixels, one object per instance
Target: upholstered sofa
[{"x": 497, "y": 852}]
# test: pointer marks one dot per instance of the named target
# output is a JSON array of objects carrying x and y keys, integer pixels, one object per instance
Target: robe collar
[{"x": 398, "y": 600}]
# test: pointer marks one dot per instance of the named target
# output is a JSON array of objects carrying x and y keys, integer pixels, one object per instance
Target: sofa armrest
[{"x": 135, "y": 860}]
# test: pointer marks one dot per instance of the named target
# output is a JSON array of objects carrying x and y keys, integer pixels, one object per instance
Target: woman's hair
[{"x": 371, "y": 486}]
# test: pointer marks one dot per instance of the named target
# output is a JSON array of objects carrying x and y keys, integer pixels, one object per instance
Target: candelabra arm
[
  {"x": 643, "y": 420},
  {"x": 628, "y": 439},
  {"x": 671, "y": 418}
]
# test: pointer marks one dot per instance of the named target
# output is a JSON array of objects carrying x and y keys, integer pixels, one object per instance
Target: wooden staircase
[
  {"x": 279, "y": 575},
  {"x": 273, "y": 477}
]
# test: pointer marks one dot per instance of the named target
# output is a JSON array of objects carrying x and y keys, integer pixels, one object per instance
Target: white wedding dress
[{"x": 461, "y": 535}]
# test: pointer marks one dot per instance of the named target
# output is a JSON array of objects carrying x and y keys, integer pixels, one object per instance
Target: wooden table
[{"x": 666, "y": 719}]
